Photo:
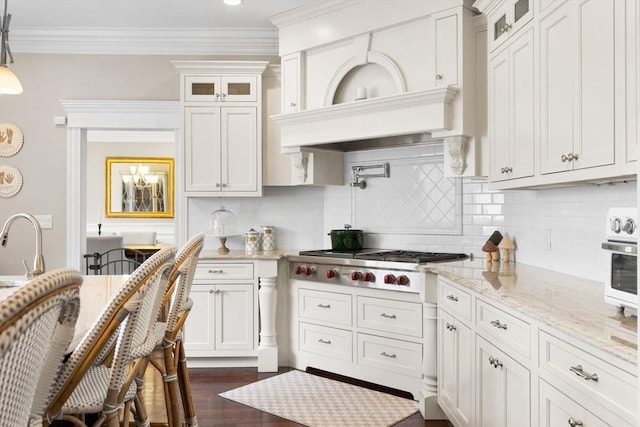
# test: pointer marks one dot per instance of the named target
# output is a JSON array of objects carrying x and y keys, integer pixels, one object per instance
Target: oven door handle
[{"x": 625, "y": 248}]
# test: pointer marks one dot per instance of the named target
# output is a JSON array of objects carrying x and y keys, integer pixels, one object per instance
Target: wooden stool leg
[
  {"x": 185, "y": 386},
  {"x": 172, "y": 390}
]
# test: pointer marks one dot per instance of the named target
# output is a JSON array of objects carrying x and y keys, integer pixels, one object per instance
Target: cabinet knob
[
  {"x": 217, "y": 184},
  {"x": 572, "y": 156},
  {"x": 224, "y": 95},
  {"x": 506, "y": 27},
  {"x": 293, "y": 104},
  {"x": 211, "y": 291},
  {"x": 224, "y": 184},
  {"x": 217, "y": 291},
  {"x": 573, "y": 422},
  {"x": 217, "y": 95},
  {"x": 438, "y": 76}
]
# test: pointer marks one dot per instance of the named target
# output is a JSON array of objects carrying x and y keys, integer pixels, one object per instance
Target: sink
[{"x": 12, "y": 281}]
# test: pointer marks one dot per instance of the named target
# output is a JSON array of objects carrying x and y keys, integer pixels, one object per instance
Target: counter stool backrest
[
  {"x": 133, "y": 302},
  {"x": 37, "y": 323}
]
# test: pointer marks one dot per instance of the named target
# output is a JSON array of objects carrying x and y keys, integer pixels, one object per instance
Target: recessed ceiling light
[{"x": 232, "y": 2}]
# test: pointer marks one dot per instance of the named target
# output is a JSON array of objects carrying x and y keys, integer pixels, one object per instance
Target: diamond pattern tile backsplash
[{"x": 415, "y": 199}]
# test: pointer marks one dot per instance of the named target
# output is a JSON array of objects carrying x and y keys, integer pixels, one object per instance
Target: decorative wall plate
[
  {"x": 11, "y": 139},
  {"x": 10, "y": 180}
]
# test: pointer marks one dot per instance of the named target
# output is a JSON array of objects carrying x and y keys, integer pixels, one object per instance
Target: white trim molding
[
  {"x": 86, "y": 115},
  {"x": 146, "y": 41}
]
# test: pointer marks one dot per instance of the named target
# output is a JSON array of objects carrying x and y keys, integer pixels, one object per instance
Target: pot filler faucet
[{"x": 38, "y": 261}]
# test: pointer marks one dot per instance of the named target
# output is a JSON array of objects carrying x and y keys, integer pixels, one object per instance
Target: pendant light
[{"x": 9, "y": 83}]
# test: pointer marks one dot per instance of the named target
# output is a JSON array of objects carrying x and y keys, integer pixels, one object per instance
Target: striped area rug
[{"x": 316, "y": 401}]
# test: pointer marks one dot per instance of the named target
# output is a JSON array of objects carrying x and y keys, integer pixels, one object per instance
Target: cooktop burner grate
[{"x": 387, "y": 255}]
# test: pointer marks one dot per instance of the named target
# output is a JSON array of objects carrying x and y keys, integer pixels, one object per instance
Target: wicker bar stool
[
  {"x": 37, "y": 323},
  {"x": 90, "y": 382},
  {"x": 169, "y": 357}
]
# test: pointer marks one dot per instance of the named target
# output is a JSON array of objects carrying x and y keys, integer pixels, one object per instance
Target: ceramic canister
[
  {"x": 251, "y": 238},
  {"x": 268, "y": 238}
]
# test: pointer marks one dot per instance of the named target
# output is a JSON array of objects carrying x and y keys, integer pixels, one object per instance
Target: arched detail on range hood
[{"x": 371, "y": 57}]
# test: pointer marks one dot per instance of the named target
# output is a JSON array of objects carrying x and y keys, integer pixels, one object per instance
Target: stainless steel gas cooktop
[{"x": 387, "y": 255}]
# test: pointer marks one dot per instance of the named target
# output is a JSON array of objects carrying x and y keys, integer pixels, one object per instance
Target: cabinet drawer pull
[
  {"x": 385, "y": 354},
  {"x": 216, "y": 271},
  {"x": 498, "y": 325},
  {"x": 579, "y": 372},
  {"x": 495, "y": 362},
  {"x": 323, "y": 341},
  {"x": 450, "y": 327},
  {"x": 388, "y": 316},
  {"x": 452, "y": 298},
  {"x": 573, "y": 422},
  {"x": 324, "y": 305}
]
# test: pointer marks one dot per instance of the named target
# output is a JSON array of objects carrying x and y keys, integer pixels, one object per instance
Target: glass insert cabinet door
[{"x": 139, "y": 187}]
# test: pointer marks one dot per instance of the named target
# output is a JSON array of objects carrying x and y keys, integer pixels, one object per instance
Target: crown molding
[{"x": 146, "y": 41}]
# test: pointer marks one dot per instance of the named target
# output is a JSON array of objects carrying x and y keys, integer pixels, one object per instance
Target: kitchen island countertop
[{"x": 569, "y": 304}]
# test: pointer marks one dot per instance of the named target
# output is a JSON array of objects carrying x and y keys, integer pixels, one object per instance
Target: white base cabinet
[
  {"x": 223, "y": 320},
  {"x": 232, "y": 321},
  {"x": 374, "y": 335},
  {"x": 499, "y": 368}
]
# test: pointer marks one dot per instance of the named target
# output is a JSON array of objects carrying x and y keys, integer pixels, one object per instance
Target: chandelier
[
  {"x": 9, "y": 83},
  {"x": 142, "y": 190}
]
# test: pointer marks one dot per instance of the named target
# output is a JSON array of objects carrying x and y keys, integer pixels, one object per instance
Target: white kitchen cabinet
[
  {"x": 293, "y": 72},
  {"x": 368, "y": 334},
  {"x": 221, "y": 153},
  {"x": 224, "y": 319},
  {"x": 577, "y": 82},
  {"x": 506, "y": 19},
  {"x": 206, "y": 88},
  {"x": 455, "y": 373},
  {"x": 558, "y": 409},
  {"x": 221, "y": 146},
  {"x": 512, "y": 109},
  {"x": 503, "y": 388},
  {"x": 446, "y": 49}
]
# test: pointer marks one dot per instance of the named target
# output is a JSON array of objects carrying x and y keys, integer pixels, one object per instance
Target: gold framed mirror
[{"x": 139, "y": 187}]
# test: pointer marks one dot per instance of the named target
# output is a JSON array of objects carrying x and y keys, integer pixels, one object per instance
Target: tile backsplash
[{"x": 560, "y": 229}]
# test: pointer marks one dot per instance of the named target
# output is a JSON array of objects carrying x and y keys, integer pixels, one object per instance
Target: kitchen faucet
[{"x": 38, "y": 261}]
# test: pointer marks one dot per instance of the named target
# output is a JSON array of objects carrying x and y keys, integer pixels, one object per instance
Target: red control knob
[
  {"x": 332, "y": 273},
  {"x": 402, "y": 280},
  {"x": 369, "y": 277},
  {"x": 389, "y": 279},
  {"x": 356, "y": 275},
  {"x": 309, "y": 271},
  {"x": 299, "y": 269}
]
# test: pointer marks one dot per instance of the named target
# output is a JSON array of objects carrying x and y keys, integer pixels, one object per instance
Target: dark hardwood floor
[{"x": 215, "y": 411}]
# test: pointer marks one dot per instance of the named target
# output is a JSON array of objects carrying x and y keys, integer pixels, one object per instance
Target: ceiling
[{"x": 146, "y": 26}]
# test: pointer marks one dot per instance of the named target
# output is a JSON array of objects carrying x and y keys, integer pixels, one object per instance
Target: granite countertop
[
  {"x": 569, "y": 304},
  {"x": 239, "y": 255}
]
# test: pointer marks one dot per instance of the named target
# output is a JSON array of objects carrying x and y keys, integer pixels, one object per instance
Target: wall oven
[{"x": 621, "y": 281}]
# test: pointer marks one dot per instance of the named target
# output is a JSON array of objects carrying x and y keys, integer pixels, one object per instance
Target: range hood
[{"x": 397, "y": 119}]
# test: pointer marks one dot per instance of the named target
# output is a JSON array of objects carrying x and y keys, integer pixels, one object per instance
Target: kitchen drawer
[
  {"x": 391, "y": 355},
  {"x": 397, "y": 317},
  {"x": 218, "y": 272},
  {"x": 613, "y": 388},
  {"x": 327, "y": 307},
  {"x": 336, "y": 344},
  {"x": 455, "y": 300},
  {"x": 556, "y": 408},
  {"x": 508, "y": 332}
]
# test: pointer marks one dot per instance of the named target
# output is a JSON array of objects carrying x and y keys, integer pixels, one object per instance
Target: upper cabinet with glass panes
[
  {"x": 507, "y": 19},
  {"x": 220, "y": 88}
]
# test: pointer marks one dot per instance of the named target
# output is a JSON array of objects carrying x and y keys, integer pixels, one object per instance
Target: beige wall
[{"x": 47, "y": 79}]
